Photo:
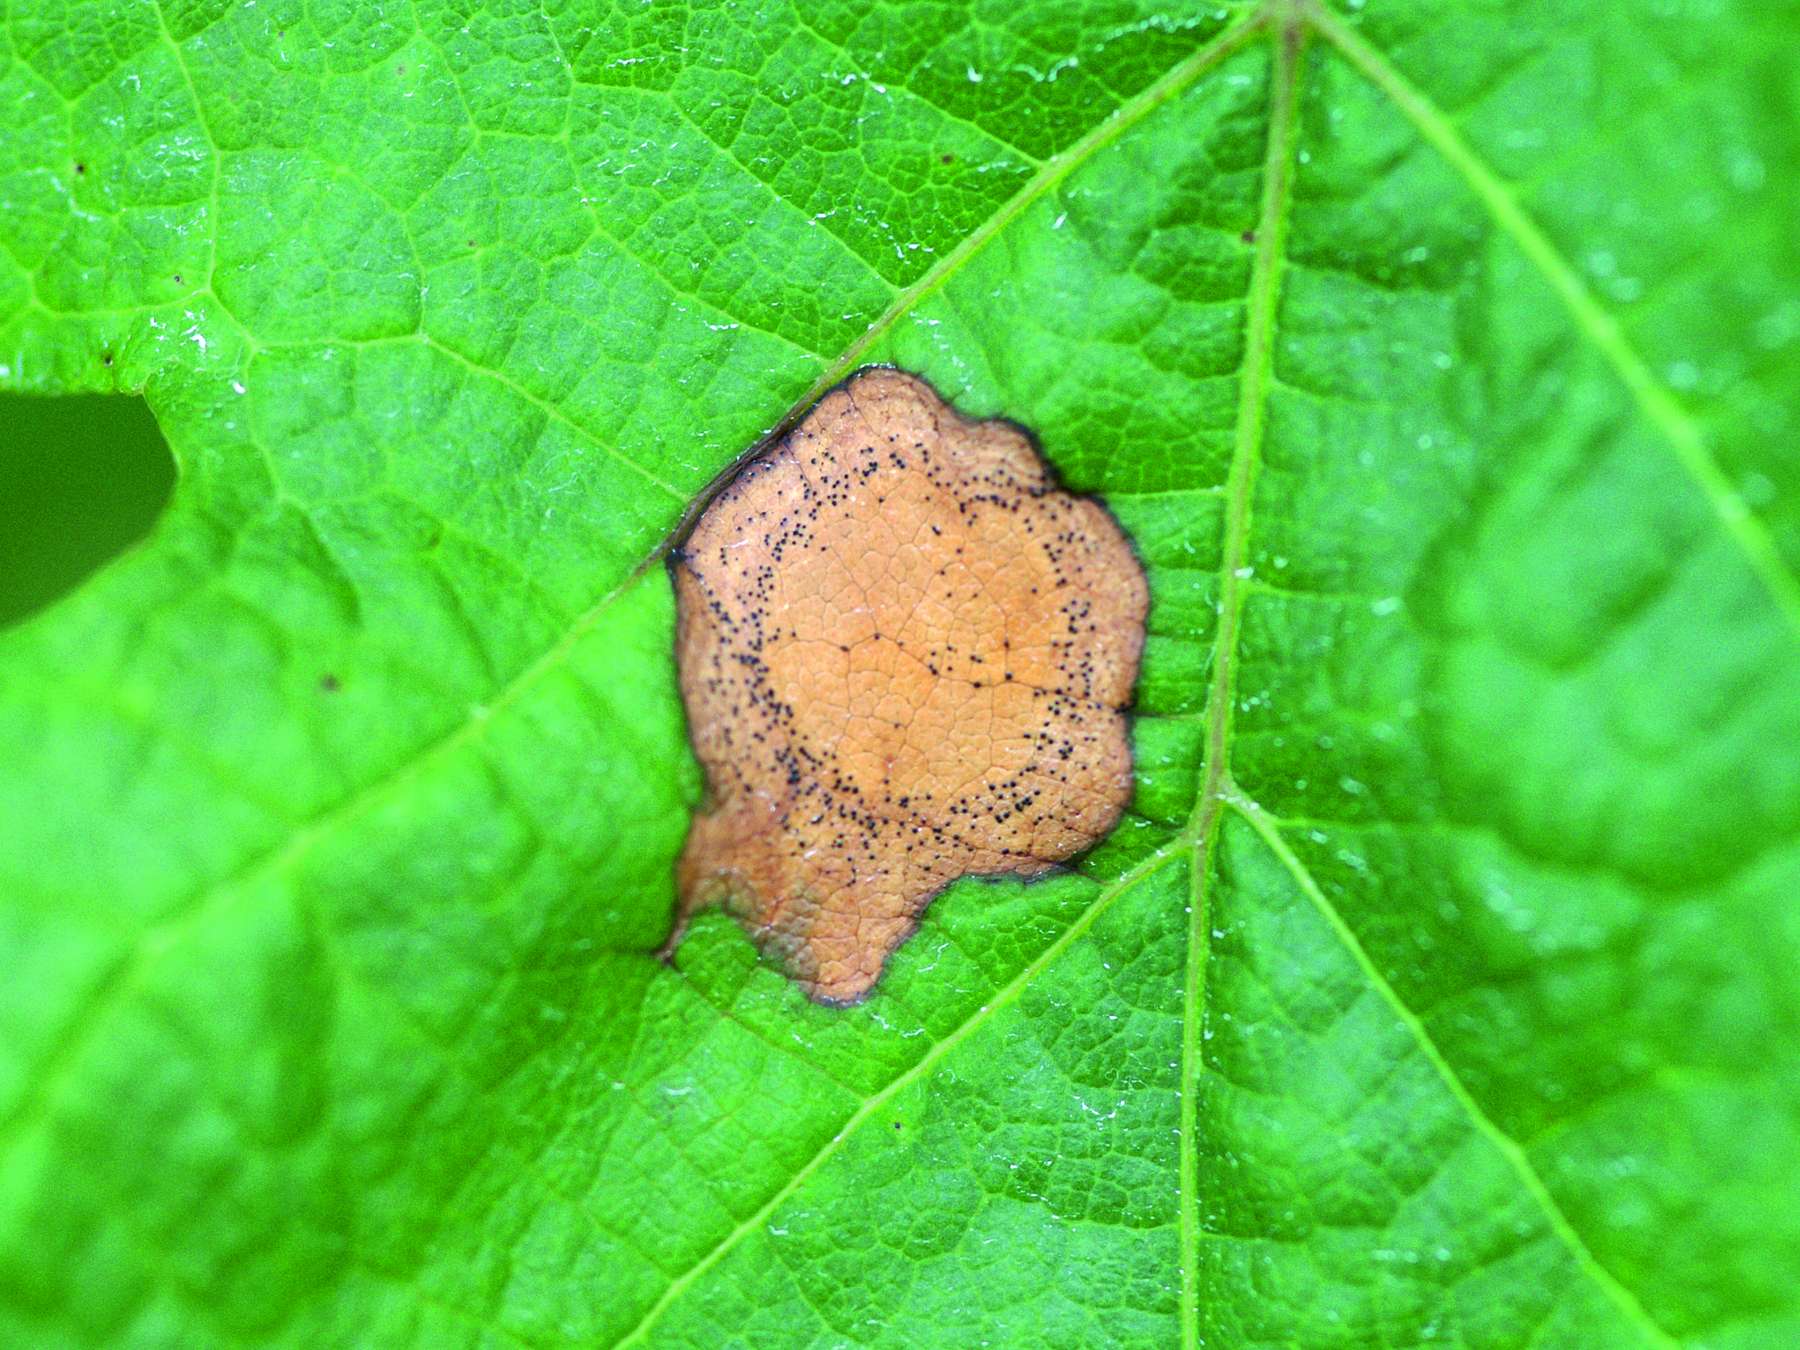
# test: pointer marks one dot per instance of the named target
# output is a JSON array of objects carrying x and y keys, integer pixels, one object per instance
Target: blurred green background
[{"x": 81, "y": 480}]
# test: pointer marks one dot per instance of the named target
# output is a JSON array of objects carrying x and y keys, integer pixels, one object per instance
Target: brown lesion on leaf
[{"x": 906, "y": 656}]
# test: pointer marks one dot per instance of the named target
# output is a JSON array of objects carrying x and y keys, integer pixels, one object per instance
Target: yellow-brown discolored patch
[{"x": 906, "y": 656}]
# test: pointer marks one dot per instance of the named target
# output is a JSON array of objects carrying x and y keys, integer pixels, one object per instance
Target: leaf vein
[
  {"x": 1593, "y": 321},
  {"x": 1007, "y": 994},
  {"x": 1253, "y": 394},
  {"x": 1622, "y": 1298}
]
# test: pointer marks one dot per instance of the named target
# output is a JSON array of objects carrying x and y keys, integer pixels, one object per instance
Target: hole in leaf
[{"x": 81, "y": 480}]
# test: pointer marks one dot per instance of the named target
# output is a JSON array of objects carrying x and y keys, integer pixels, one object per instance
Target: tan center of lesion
[{"x": 906, "y": 656}]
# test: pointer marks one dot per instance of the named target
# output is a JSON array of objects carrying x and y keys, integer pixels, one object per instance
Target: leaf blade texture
[{"x": 1441, "y": 364}]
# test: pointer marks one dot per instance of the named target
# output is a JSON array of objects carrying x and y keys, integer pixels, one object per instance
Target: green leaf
[{"x": 1444, "y": 364}]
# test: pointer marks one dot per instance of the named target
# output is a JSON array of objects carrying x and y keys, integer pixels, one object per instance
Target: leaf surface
[{"x": 1443, "y": 364}]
